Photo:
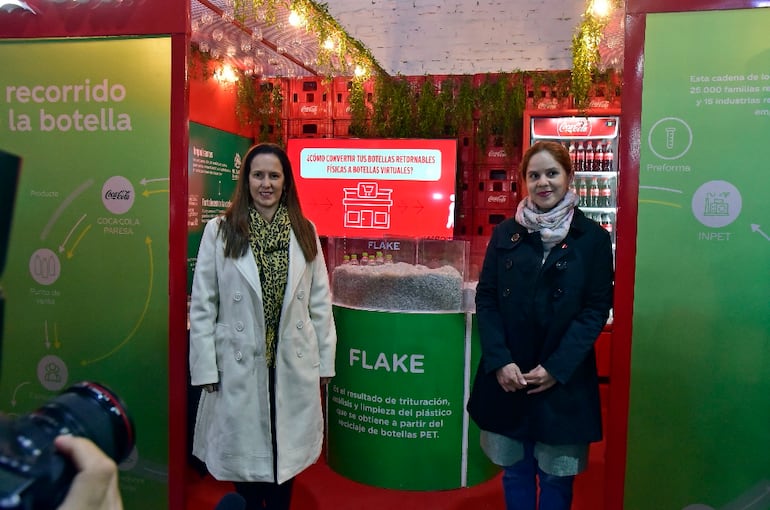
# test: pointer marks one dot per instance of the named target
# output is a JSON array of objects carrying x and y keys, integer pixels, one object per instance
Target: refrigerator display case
[{"x": 592, "y": 141}]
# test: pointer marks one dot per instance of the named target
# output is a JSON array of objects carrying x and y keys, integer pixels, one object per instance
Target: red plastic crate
[
  {"x": 340, "y": 96},
  {"x": 493, "y": 194},
  {"x": 484, "y": 220},
  {"x": 495, "y": 154},
  {"x": 463, "y": 222},
  {"x": 308, "y": 98},
  {"x": 312, "y": 128},
  {"x": 340, "y": 127}
]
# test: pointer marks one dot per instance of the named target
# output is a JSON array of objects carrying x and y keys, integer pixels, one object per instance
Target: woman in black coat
[{"x": 543, "y": 297}]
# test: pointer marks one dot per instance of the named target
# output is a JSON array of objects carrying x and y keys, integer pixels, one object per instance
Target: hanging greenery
[
  {"x": 343, "y": 57},
  {"x": 585, "y": 52},
  {"x": 502, "y": 99},
  {"x": 259, "y": 105}
]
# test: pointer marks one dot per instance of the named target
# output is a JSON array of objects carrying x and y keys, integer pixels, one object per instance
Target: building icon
[{"x": 367, "y": 206}]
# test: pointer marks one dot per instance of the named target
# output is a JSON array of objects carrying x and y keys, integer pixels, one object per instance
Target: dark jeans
[{"x": 520, "y": 485}]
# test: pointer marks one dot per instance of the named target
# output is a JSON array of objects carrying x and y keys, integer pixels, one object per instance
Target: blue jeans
[{"x": 520, "y": 485}]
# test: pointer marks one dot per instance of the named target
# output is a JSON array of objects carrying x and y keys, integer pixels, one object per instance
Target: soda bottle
[
  {"x": 582, "y": 191},
  {"x": 580, "y": 157},
  {"x": 606, "y": 222},
  {"x": 572, "y": 156},
  {"x": 605, "y": 193},
  {"x": 353, "y": 259},
  {"x": 598, "y": 157},
  {"x": 388, "y": 259},
  {"x": 590, "y": 157},
  {"x": 380, "y": 258},
  {"x": 593, "y": 193},
  {"x": 609, "y": 158},
  {"x": 345, "y": 259}
]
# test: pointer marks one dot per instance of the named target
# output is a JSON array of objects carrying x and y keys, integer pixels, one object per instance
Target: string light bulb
[{"x": 600, "y": 8}]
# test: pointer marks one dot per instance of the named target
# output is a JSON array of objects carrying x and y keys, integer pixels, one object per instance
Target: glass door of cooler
[{"x": 592, "y": 143}]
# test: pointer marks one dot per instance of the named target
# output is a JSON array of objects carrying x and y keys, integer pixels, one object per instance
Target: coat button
[
  {"x": 239, "y": 326},
  {"x": 506, "y": 292},
  {"x": 299, "y": 354},
  {"x": 557, "y": 293},
  {"x": 561, "y": 265},
  {"x": 300, "y": 324},
  {"x": 238, "y": 355},
  {"x": 301, "y": 294},
  {"x": 237, "y": 296},
  {"x": 508, "y": 264}
]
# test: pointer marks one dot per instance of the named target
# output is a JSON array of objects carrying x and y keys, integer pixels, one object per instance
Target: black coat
[{"x": 549, "y": 314}]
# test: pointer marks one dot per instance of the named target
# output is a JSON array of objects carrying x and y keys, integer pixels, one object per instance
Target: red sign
[{"x": 376, "y": 188}]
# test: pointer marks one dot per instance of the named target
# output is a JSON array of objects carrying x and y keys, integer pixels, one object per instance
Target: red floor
[{"x": 319, "y": 488}]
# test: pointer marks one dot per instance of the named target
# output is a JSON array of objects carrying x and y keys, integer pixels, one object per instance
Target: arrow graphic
[
  {"x": 71, "y": 251},
  {"x": 61, "y": 246},
  {"x": 159, "y": 179},
  {"x": 755, "y": 228},
  {"x": 15, "y": 390},
  {"x": 65, "y": 203}
]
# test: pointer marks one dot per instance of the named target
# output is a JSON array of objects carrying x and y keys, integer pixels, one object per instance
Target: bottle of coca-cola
[
  {"x": 593, "y": 193},
  {"x": 580, "y": 157},
  {"x": 590, "y": 156},
  {"x": 605, "y": 192},
  {"x": 609, "y": 158},
  {"x": 582, "y": 191},
  {"x": 598, "y": 157},
  {"x": 572, "y": 156}
]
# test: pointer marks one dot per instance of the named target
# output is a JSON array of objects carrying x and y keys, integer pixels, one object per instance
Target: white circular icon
[
  {"x": 716, "y": 203},
  {"x": 44, "y": 266},
  {"x": 670, "y": 138},
  {"x": 52, "y": 372},
  {"x": 118, "y": 194}
]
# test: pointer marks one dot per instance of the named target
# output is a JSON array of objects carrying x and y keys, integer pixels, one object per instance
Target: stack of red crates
[
  {"x": 309, "y": 108},
  {"x": 340, "y": 104}
]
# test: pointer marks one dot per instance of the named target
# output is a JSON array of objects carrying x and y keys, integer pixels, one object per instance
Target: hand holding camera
[
  {"x": 95, "y": 486},
  {"x": 65, "y": 452}
]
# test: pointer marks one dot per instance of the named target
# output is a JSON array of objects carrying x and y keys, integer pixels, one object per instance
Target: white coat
[{"x": 227, "y": 330}]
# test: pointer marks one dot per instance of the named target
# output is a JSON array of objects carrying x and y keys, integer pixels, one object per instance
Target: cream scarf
[{"x": 552, "y": 225}]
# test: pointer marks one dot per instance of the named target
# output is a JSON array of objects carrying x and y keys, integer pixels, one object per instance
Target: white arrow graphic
[{"x": 755, "y": 228}]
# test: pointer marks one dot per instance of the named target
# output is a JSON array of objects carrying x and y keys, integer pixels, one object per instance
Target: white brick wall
[{"x": 416, "y": 37}]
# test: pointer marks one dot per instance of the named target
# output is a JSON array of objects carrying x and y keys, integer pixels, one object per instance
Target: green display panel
[
  {"x": 214, "y": 162},
  {"x": 85, "y": 282},
  {"x": 699, "y": 410},
  {"x": 395, "y": 408}
]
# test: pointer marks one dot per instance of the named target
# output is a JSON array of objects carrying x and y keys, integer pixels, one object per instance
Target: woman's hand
[
  {"x": 509, "y": 377},
  {"x": 540, "y": 378},
  {"x": 211, "y": 388},
  {"x": 325, "y": 380},
  {"x": 95, "y": 486}
]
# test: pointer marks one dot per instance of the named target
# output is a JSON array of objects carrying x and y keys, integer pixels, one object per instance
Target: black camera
[{"x": 33, "y": 475}]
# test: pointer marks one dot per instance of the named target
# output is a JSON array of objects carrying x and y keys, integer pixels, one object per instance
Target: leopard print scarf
[{"x": 270, "y": 244}]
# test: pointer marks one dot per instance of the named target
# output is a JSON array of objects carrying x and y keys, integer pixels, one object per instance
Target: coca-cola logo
[
  {"x": 599, "y": 103},
  {"x": 309, "y": 109},
  {"x": 497, "y": 199},
  {"x": 577, "y": 126},
  {"x": 117, "y": 194},
  {"x": 496, "y": 153},
  {"x": 547, "y": 104},
  {"x": 123, "y": 194}
]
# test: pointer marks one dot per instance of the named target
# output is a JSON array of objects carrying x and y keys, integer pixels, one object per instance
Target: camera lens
[
  {"x": 33, "y": 475},
  {"x": 91, "y": 410}
]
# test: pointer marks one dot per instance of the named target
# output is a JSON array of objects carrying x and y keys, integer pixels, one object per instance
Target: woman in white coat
[{"x": 262, "y": 335}]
